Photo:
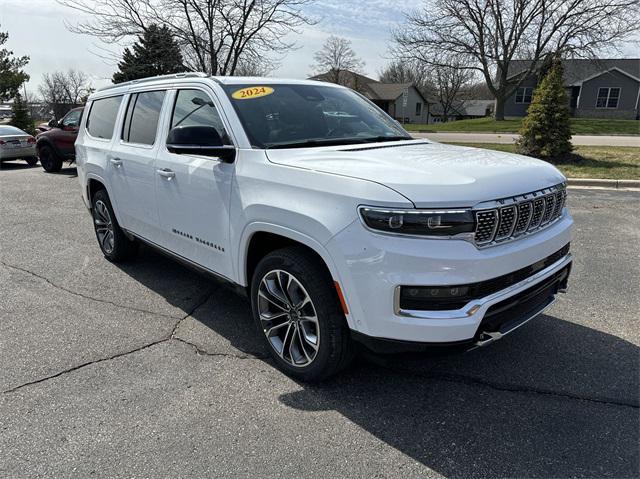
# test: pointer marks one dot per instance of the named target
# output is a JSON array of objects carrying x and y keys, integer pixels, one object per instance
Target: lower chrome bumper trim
[{"x": 480, "y": 306}]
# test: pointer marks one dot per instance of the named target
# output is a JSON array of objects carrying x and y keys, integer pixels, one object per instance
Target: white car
[
  {"x": 16, "y": 144},
  {"x": 342, "y": 229}
]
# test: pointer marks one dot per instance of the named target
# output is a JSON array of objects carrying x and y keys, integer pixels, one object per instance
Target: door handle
[
  {"x": 117, "y": 162},
  {"x": 166, "y": 173}
]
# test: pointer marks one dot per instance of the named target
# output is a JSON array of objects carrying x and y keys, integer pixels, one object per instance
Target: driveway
[
  {"x": 584, "y": 140},
  {"x": 151, "y": 370}
]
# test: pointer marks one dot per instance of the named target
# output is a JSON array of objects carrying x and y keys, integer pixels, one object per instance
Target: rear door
[
  {"x": 131, "y": 164},
  {"x": 193, "y": 192}
]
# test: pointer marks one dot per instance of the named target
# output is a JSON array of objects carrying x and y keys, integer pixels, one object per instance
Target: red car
[{"x": 57, "y": 144}]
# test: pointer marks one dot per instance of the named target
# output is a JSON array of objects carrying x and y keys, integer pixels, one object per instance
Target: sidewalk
[{"x": 578, "y": 140}]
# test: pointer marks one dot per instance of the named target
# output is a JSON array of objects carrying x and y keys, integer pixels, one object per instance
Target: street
[{"x": 151, "y": 370}]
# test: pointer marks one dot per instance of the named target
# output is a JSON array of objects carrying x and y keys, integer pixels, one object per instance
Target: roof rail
[{"x": 159, "y": 77}]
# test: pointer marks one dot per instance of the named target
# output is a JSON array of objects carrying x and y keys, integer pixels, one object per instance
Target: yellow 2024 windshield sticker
[{"x": 252, "y": 92}]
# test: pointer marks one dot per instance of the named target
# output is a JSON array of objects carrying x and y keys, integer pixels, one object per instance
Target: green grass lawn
[
  {"x": 610, "y": 162},
  {"x": 579, "y": 126}
]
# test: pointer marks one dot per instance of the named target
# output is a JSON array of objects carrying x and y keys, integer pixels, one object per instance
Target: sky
[{"x": 37, "y": 28}]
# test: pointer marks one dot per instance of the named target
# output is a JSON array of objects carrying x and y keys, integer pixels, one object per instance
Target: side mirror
[
  {"x": 54, "y": 123},
  {"x": 199, "y": 140}
]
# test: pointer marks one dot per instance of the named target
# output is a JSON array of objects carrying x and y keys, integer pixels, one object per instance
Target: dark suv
[{"x": 57, "y": 144}]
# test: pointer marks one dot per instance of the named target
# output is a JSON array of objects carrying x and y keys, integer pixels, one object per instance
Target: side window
[
  {"x": 524, "y": 94},
  {"x": 195, "y": 108},
  {"x": 603, "y": 94},
  {"x": 141, "y": 119},
  {"x": 72, "y": 119},
  {"x": 418, "y": 109},
  {"x": 102, "y": 117}
]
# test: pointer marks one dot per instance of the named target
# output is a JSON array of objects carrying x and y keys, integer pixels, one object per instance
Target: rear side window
[
  {"x": 102, "y": 117},
  {"x": 141, "y": 120}
]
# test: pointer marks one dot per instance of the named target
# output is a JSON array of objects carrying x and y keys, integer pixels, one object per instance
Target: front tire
[
  {"x": 115, "y": 245},
  {"x": 298, "y": 314},
  {"x": 49, "y": 160}
]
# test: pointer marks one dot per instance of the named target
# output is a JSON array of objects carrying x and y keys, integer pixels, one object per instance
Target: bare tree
[
  {"x": 404, "y": 72},
  {"x": 64, "y": 90},
  {"x": 449, "y": 80},
  {"x": 488, "y": 34},
  {"x": 216, "y": 36},
  {"x": 335, "y": 59}
]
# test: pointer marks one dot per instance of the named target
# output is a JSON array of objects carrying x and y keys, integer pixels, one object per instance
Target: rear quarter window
[{"x": 102, "y": 117}]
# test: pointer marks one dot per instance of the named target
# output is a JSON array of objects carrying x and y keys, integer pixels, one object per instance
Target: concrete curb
[{"x": 601, "y": 183}]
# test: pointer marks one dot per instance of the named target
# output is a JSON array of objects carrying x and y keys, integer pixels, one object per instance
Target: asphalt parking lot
[{"x": 151, "y": 370}]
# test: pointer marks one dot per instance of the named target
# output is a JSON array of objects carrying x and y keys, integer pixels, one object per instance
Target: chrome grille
[
  {"x": 507, "y": 222},
  {"x": 538, "y": 211},
  {"x": 560, "y": 197},
  {"x": 549, "y": 208},
  {"x": 524, "y": 215},
  {"x": 486, "y": 222},
  {"x": 509, "y": 218}
]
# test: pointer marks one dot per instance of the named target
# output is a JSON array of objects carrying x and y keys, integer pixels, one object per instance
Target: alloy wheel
[
  {"x": 288, "y": 318},
  {"x": 104, "y": 226}
]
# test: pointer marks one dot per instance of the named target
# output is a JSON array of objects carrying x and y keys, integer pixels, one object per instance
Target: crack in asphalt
[
  {"x": 83, "y": 365},
  {"x": 505, "y": 387},
  {"x": 86, "y": 296},
  {"x": 204, "y": 352},
  {"x": 170, "y": 337}
]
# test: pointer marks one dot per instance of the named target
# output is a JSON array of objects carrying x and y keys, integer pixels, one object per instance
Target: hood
[{"x": 429, "y": 174}]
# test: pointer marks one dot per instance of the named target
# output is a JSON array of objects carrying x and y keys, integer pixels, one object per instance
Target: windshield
[{"x": 295, "y": 116}]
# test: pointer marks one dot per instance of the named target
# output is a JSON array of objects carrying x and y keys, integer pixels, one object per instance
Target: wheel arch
[
  {"x": 259, "y": 239},
  {"x": 95, "y": 183},
  {"x": 45, "y": 141}
]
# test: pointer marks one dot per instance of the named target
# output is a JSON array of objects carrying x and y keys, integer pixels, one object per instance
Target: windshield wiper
[
  {"x": 333, "y": 141},
  {"x": 314, "y": 142},
  {"x": 382, "y": 138}
]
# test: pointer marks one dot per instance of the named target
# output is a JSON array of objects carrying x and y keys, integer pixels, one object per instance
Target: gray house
[
  {"x": 603, "y": 88},
  {"x": 403, "y": 101}
]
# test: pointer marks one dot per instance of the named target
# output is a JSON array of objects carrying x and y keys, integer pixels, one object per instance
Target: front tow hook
[{"x": 488, "y": 338}]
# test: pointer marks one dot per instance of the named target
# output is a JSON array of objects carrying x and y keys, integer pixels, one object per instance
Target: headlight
[{"x": 419, "y": 222}]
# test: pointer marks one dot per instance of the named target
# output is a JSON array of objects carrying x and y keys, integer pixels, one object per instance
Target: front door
[
  {"x": 192, "y": 191},
  {"x": 66, "y": 137},
  {"x": 131, "y": 165}
]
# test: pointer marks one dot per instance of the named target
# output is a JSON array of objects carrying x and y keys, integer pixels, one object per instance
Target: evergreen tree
[
  {"x": 21, "y": 117},
  {"x": 546, "y": 131},
  {"x": 11, "y": 74},
  {"x": 155, "y": 53}
]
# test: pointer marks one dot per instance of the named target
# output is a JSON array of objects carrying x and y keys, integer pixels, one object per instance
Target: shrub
[
  {"x": 21, "y": 117},
  {"x": 545, "y": 131}
]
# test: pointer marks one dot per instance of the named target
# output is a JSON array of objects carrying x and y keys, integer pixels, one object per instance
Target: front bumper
[
  {"x": 502, "y": 313},
  {"x": 374, "y": 266}
]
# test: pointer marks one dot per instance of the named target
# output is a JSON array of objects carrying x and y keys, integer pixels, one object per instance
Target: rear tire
[
  {"x": 301, "y": 323},
  {"x": 115, "y": 245},
  {"x": 49, "y": 160},
  {"x": 32, "y": 160}
]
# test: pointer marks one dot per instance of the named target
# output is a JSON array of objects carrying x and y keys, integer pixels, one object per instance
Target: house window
[
  {"x": 608, "y": 97},
  {"x": 418, "y": 109},
  {"x": 524, "y": 94}
]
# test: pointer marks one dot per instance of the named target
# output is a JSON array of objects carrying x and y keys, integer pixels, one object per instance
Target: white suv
[{"x": 342, "y": 229}]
